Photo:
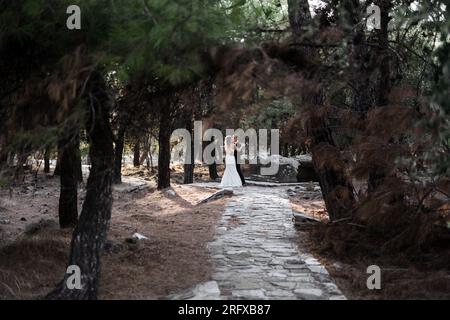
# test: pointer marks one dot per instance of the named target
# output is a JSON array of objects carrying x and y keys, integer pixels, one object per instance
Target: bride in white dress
[{"x": 230, "y": 177}]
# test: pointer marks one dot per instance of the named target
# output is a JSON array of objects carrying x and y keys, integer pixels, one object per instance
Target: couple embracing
[{"x": 232, "y": 176}]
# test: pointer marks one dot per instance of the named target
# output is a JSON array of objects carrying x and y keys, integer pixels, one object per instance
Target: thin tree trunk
[
  {"x": 384, "y": 86},
  {"x": 212, "y": 168},
  {"x": 68, "y": 210},
  {"x": 3, "y": 159},
  {"x": 377, "y": 174},
  {"x": 78, "y": 165},
  {"x": 57, "y": 170},
  {"x": 299, "y": 16},
  {"x": 4, "y": 162},
  {"x": 90, "y": 234},
  {"x": 189, "y": 167},
  {"x": 188, "y": 173},
  {"x": 147, "y": 162},
  {"x": 118, "y": 155},
  {"x": 152, "y": 168},
  {"x": 285, "y": 152},
  {"x": 47, "y": 160},
  {"x": 164, "y": 148},
  {"x": 136, "y": 154},
  {"x": 145, "y": 151},
  {"x": 213, "y": 175},
  {"x": 21, "y": 161}
]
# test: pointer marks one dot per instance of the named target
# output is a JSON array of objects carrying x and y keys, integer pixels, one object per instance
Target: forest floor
[
  {"x": 34, "y": 251},
  {"x": 175, "y": 257}
]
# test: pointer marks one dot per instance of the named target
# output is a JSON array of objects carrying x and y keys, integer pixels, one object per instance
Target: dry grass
[
  {"x": 30, "y": 266},
  {"x": 33, "y": 257},
  {"x": 403, "y": 275},
  {"x": 310, "y": 203},
  {"x": 174, "y": 257},
  {"x": 347, "y": 250}
]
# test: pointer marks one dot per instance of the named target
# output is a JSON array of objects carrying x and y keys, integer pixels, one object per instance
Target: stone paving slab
[{"x": 256, "y": 256}]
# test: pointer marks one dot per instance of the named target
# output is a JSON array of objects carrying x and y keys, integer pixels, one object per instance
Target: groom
[{"x": 237, "y": 150}]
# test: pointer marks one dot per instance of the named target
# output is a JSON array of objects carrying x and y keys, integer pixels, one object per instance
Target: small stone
[
  {"x": 309, "y": 292},
  {"x": 331, "y": 288},
  {"x": 170, "y": 193},
  {"x": 337, "y": 265},
  {"x": 284, "y": 284},
  {"x": 206, "y": 291},
  {"x": 139, "y": 236},
  {"x": 277, "y": 274},
  {"x": 222, "y": 276},
  {"x": 318, "y": 269},
  {"x": 312, "y": 261},
  {"x": 248, "y": 284},
  {"x": 284, "y": 254},
  {"x": 279, "y": 293},
  {"x": 249, "y": 294},
  {"x": 294, "y": 266}
]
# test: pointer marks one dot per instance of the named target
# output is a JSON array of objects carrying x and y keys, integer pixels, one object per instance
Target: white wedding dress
[{"x": 230, "y": 177}]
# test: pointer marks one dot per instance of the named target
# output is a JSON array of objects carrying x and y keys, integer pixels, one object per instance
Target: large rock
[
  {"x": 296, "y": 169},
  {"x": 287, "y": 168}
]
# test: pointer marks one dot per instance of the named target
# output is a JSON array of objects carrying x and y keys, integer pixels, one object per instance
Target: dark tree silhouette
[
  {"x": 68, "y": 206},
  {"x": 90, "y": 233}
]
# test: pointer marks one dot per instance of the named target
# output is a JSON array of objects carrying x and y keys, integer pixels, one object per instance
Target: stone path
[{"x": 256, "y": 256}]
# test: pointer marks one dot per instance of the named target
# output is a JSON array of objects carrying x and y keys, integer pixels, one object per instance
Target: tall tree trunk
[
  {"x": 136, "y": 154},
  {"x": 90, "y": 234},
  {"x": 377, "y": 174},
  {"x": 336, "y": 187},
  {"x": 68, "y": 209},
  {"x": 79, "y": 165},
  {"x": 299, "y": 16},
  {"x": 212, "y": 168},
  {"x": 3, "y": 159},
  {"x": 145, "y": 151},
  {"x": 47, "y": 160},
  {"x": 22, "y": 158},
  {"x": 189, "y": 167},
  {"x": 57, "y": 170},
  {"x": 118, "y": 154},
  {"x": 384, "y": 86},
  {"x": 152, "y": 168},
  {"x": 361, "y": 63},
  {"x": 4, "y": 165},
  {"x": 164, "y": 148},
  {"x": 188, "y": 173},
  {"x": 285, "y": 151}
]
